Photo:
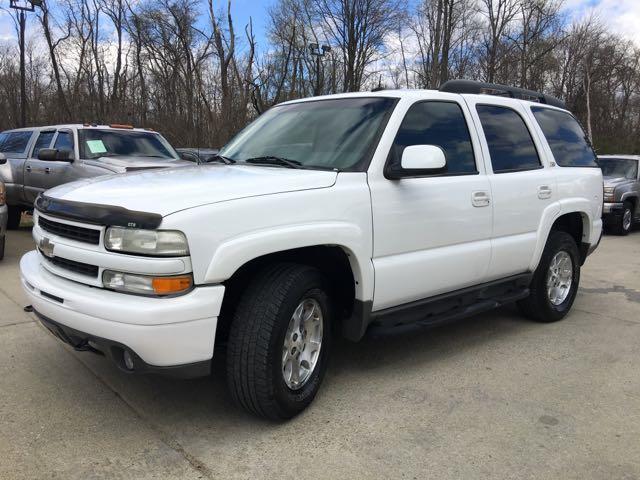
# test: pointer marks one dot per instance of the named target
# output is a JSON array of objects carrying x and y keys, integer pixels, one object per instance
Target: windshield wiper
[
  {"x": 221, "y": 159},
  {"x": 273, "y": 160}
]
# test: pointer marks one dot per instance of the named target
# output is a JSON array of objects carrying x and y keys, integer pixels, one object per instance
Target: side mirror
[
  {"x": 55, "y": 155},
  {"x": 419, "y": 160},
  {"x": 3, "y": 159}
]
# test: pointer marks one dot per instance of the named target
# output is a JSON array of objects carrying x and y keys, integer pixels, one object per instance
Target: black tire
[
  {"x": 2, "y": 242},
  {"x": 256, "y": 339},
  {"x": 619, "y": 228},
  {"x": 15, "y": 215},
  {"x": 537, "y": 306}
]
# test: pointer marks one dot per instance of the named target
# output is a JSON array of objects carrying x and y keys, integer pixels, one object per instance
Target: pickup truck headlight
[
  {"x": 157, "y": 243},
  {"x": 3, "y": 194},
  {"x": 146, "y": 285},
  {"x": 609, "y": 194}
]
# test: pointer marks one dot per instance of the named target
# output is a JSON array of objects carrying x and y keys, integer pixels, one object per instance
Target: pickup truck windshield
[
  {"x": 95, "y": 143},
  {"x": 619, "y": 167},
  {"x": 327, "y": 134}
]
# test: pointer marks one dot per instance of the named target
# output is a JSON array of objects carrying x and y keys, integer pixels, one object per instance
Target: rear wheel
[
  {"x": 279, "y": 341},
  {"x": 15, "y": 215},
  {"x": 625, "y": 222},
  {"x": 555, "y": 282}
]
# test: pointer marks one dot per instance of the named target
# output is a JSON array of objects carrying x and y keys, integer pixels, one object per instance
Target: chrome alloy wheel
[
  {"x": 626, "y": 219},
  {"x": 302, "y": 342},
  {"x": 559, "y": 278}
]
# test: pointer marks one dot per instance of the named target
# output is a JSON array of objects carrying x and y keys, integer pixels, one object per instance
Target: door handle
[
  {"x": 480, "y": 198},
  {"x": 28, "y": 169},
  {"x": 544, "y": 192},
  {"x": 47, "y": 170}
]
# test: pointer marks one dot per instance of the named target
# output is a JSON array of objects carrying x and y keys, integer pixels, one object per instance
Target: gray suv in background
[
  {"x": 621, "y": 191},
  {"x": 41, "y": 158}
]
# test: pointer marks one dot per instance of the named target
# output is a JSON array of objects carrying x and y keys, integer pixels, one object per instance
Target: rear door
[
  {"x": 41, "y": 175},
  {"x": 14, "y": 145},
  {"x": 522, "y": 184},
  {"x": 34, "y": 168}
]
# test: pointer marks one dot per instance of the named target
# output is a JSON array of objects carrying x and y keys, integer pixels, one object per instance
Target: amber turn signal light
[{"x": 171, "y": 285}]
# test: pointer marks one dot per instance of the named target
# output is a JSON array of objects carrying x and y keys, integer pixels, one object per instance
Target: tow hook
[{"x": 28, "y": 309}]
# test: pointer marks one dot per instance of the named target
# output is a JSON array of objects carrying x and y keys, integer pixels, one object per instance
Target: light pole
[
  {"x": 318, "y": 52},
  {"x": 23, "y": 6}
]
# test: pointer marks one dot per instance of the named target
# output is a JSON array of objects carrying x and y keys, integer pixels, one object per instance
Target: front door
[{"x": 432, "y": 234}]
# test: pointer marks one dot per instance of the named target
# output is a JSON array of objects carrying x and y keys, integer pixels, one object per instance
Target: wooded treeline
[{"x": 189, "y": 70}]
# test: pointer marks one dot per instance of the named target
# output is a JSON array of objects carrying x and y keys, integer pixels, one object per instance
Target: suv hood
[
  {"x": 170, "y": 190},
  {"x": 133, "y": 163},
  {"x": 615, "y": 181}
]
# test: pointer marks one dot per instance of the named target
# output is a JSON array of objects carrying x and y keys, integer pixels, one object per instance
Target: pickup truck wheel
[
  {"x": 279, "y": 341},
  {"x": 555, "y": 282},
  {"x": 15, "y": 215},
  {"x": 624, "y": 224}
]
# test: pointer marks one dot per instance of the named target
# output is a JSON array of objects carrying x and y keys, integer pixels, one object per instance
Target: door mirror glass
[
  {"x": 55, "y": 155},
  {"x": 3, "y": 159}
]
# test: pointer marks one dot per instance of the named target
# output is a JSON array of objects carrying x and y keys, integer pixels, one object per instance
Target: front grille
[
  {"x": 76, "y": 267},
  {"x": 80, "y": 234}
]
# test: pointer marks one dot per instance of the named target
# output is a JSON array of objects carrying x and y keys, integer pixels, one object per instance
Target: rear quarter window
[{"x": 565, "y": 137}]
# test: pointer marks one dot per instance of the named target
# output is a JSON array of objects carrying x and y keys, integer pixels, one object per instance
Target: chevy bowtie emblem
[{"x": 46, "y": 247}]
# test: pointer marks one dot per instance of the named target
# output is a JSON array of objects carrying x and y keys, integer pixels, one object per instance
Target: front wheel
[
  {"x": 15, "y": 215},
  {"x": 555, "y": 282},
  {"x": 625, "y": 222},
  {"x": 279, "y": 341}
]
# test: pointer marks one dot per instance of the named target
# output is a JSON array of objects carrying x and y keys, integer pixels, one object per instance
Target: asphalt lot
[{"x": 494, "y": 396}]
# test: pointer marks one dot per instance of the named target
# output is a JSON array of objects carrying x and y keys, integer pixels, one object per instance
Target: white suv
[{"x": 326, "y": 216}]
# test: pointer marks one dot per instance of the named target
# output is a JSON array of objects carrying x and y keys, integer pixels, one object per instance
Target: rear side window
[
  {"x": 566, "y": 138},
  {"x": 510, "y": 144},
  {"x": 441, "y": 124},
  {"x": 64, "y": 141},
  {"x": 44, "y": 140},
  {"x": 14, "y": 142}
]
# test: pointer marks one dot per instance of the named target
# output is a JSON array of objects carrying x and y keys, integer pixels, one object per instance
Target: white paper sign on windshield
[{"x": 96, "y": 146}]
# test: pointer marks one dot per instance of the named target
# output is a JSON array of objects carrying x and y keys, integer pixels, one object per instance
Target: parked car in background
[
  {"x": 40, "y": 158},
  {"x": 197, "y": 155},
  {"x": 621, "y": 191},
  {"x": 4, "y": 215}
]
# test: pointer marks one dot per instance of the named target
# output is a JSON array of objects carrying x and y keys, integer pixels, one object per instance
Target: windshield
[
  {"x": 95, "y": 143},
  {"x": 619, "y": 167},
  {"x": 328, "y": 134}
]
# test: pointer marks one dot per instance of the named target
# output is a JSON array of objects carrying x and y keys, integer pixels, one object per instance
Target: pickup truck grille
[
  {"x": 76, "y": 267},
  {"x": 80, "y": 234}
]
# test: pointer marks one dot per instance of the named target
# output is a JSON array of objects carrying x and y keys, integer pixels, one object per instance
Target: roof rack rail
[{"x": 471, "y": 86}]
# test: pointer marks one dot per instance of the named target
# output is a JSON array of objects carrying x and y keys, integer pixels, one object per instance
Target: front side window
[
  {"x": 325, "y": 134},
  {"x": 566, "y": 138},
  {"x": 619, "y": 167},
  {"x": 14, "y": 142},
  {"x": 43, "y": 141},
  {"x": 64, "y": 141},
  {"x": 441, "y": 124},
  {"x": 510, "y": 144},
  {"x": 96, "y": 143}
]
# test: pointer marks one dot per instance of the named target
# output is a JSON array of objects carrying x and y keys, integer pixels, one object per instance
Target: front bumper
[
  {"x": 163, "y": 333},
  {"x": 612, "y": 212}
]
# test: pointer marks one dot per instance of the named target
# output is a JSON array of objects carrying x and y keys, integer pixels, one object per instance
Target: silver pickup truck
[
  {"x": 621, "y": 191},
  {"x": 41, "y": 158}
]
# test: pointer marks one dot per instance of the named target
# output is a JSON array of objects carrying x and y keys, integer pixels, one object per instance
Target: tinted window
[
  {"x": 14, "y": 142},
  {"x": 44, "y": 140},
  {"x": 510, "y": 144},
  {"x": 64, "y": 141},
  {"x": 96, "y": 143},
  {"x": 566, "y": 138},
  {"x": 441, "y": 124}
]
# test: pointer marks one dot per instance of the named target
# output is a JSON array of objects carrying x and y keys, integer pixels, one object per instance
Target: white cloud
[{"x": 621, "y": 16}]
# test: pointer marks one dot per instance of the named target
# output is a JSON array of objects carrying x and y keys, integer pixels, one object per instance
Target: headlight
[
  {"x": 609, "y": 193},
  {"x": 146, "y": 285},
  {"x": 3, "y": 194},
  {"x": 159, "y": 243}
]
